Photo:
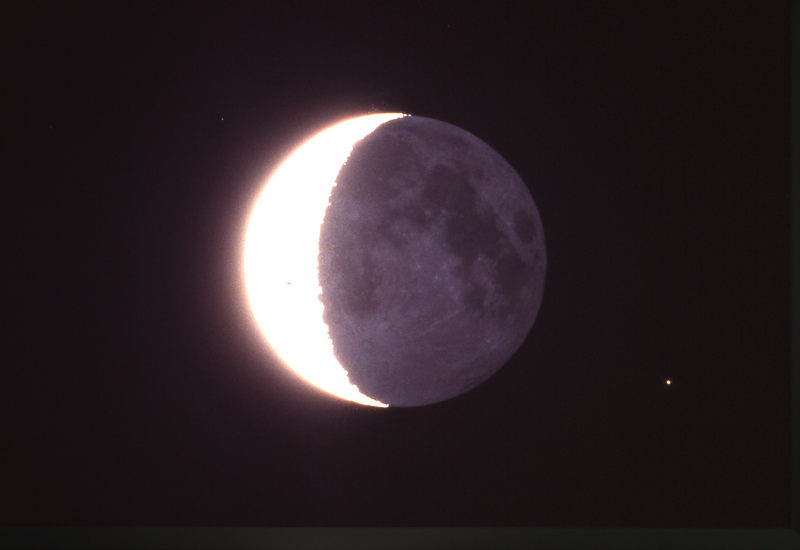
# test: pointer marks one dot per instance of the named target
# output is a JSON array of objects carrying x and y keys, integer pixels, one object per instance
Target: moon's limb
[{"x": 281, "y": 256}]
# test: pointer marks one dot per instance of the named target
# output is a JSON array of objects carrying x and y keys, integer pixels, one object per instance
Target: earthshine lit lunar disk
[{"x": 281, "y": 256}]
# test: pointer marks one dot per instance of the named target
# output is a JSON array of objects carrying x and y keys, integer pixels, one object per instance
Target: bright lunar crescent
[{"x": 395, "y": 260}]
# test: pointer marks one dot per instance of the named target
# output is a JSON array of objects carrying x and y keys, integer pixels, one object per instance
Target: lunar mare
[{"x": 281, "y": 256}]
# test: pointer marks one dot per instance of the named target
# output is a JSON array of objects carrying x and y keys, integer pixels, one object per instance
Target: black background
[{"x": 653, "y": 137}]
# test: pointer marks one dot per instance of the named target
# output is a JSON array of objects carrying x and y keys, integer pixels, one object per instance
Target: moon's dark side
[{"x": 432, "y": 262}]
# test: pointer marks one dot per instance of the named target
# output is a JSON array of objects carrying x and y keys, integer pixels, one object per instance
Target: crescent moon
[{"x": 281, "y": 251}]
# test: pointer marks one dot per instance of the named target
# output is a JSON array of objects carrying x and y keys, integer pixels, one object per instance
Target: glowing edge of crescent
[{"x": 281, "y": 252}]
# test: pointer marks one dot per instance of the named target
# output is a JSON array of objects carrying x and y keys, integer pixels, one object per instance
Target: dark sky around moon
[{"x": 653, "y": 137}]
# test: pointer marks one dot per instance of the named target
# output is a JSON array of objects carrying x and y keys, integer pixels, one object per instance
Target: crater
[
  {"x": 524, "y": 226},
  {"x": 470, "y": 235},
  {"x": 512, "y": 273},
  {"x": 357, "y": 278},
  {"x": 448, "y": 190},
  {"x": 473, "y": 297}
]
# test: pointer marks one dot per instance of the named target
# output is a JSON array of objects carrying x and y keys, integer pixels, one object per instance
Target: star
[{"x": 667, "y": 382}]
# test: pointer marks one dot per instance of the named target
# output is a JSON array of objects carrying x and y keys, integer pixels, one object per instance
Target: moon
[{"x": 394, "y": 260}]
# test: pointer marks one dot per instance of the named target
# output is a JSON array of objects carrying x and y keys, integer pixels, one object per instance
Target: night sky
[{"x": 653, "y": 137}]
